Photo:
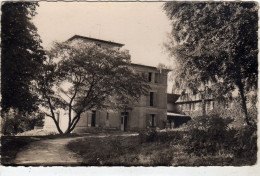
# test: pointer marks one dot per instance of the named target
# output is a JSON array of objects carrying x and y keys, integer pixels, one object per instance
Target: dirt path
[
  {"x": 48, "y": 152},
  {"x": 53, "y": 152}
]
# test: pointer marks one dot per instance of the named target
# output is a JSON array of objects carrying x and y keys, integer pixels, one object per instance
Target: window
[
  {"x": 99, "y": 45},
  {"x": 208, "y": 105},
  {"x": 124, "y": 116},
  {"x": 150, "y": 77},
  {"x": 93, "y": 119},
  {"x": 192, "y": 106},
  {"x": 156, "y": 78},
  {"x": 107, "y": 115},
  {"x": 152, "y": 120},
  {"x": 151, "y": 98}
]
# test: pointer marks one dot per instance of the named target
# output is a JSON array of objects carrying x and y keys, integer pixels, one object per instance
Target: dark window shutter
[
  {"x": 155, "y": 99},
  {"x": 155, "y": 120},
  {"x": 147, "y": 100},
  {"x": 148, "y": 120}
]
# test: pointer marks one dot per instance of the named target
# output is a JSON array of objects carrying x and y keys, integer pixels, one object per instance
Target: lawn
[
  {"x": 146, "y": 149},
  {"x": 132, "y": 151}
]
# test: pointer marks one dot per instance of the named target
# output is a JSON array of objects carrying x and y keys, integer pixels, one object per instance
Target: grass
[
  {"x": 11, "y": 145},
  {"x": 132, "y": 151},
  {"x": 113, "y": 150},
  {"x": 167, "y": 149}
]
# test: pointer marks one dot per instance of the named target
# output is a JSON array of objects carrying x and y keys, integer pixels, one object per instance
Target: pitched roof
[
  {"x": 95, "y": 40},
  {"x": 148, "y": 66},
  {"x": 172, "y": 98}
]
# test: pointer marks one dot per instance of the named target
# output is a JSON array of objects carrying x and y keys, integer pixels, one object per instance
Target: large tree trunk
[
  {"x": 73, "y": 124},
  {"x": 53, "y": 116},
  {"x": 57, "y": 126},
  {"x": 243, "y": 100}
]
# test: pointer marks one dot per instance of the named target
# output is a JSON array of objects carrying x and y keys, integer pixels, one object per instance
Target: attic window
[
  {"x": 151, "y": 98},
  {"x": 156, "y": 79},
  {"x": 150, "y": 77}
]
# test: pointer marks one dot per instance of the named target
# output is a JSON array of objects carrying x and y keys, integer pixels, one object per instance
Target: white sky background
[{"x": 141, "y": 26}]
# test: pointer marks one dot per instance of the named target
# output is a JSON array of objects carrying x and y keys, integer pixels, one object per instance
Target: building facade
[
  {"x": 149, "y": 111},
  {"x": 192, "y": 104}
]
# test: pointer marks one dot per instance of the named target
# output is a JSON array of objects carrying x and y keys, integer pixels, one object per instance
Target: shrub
[
  {"x": 246, "y": 143},
  {"x": 14, "y": 122},
  {"x": 175, "y": 137},
  {"x": 162, "y": 158},
  {"x": 148, "y": 135},
  {"x": 208, "y": 135}
]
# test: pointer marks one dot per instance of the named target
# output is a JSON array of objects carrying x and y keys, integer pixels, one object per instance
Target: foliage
[
  {"x": 22, "y": 56},
  {"x": 173, "y": 137},
  {"x": 151, "y": 135},
  {"x": 246, "y": 146},
  {"x": 208, "y": 135},
  {"x": 213, "y": 136},
  {"x": 216, "y": 42},
  {"x": 83, "y": 77},
  {"x": 14, "y": 122},
  {"x": 107, "y": 151},
  {"x": 148, "y": 135}
]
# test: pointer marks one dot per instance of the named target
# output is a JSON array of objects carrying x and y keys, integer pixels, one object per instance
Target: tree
[
  {"x": 216, "y": 42},
  {"x": 13, "y": 122},
  {"x": 22, "y": 55},
  {"x": 94, "y": 77}
]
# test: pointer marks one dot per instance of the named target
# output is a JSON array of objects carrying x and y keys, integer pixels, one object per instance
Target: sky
[{"x": 141, "y": 26}]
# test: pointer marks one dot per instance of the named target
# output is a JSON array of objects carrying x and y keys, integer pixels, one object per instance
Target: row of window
[
  {"x": 152, "y": 77},
  {"x": 151, "y": 120},
  {"x": 209, "y": 105},
  {"x": 197, "y": 106},
  {"x": 150, "y": 123}
]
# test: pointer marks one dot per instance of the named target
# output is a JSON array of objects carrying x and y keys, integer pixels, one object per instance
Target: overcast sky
[{"x": 141, "y": 26}]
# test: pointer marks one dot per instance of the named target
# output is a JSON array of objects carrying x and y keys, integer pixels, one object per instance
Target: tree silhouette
[{"x": 22, "y": 56}]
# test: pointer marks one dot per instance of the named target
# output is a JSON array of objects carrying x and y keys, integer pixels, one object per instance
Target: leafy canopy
[
  {"x": 22, "y": 56},
  {"x": 214, "y": 41},
  {"x": 83, "y": 77}
]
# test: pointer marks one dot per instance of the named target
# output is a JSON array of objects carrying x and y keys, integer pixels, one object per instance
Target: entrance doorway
[
  {"x": 124, "y": 119},
  {"x": 93, "y": 119}
]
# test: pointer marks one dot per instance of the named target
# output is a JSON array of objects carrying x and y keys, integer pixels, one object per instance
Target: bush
[
  {"x": 14, "y": 122},
  {"x": 151, "y": 135},
  {"x": 208, "y": 135},
  {"x": 246, "y": 143},
  {"x": 148, "y": 135},
  {"x": 175, "y": 137}
]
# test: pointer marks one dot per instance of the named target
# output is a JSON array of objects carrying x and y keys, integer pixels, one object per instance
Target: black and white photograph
[{"x": 140, "y": 84}]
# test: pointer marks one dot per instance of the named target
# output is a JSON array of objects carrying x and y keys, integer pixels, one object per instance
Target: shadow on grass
[{"x": 11, "y": 145}]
